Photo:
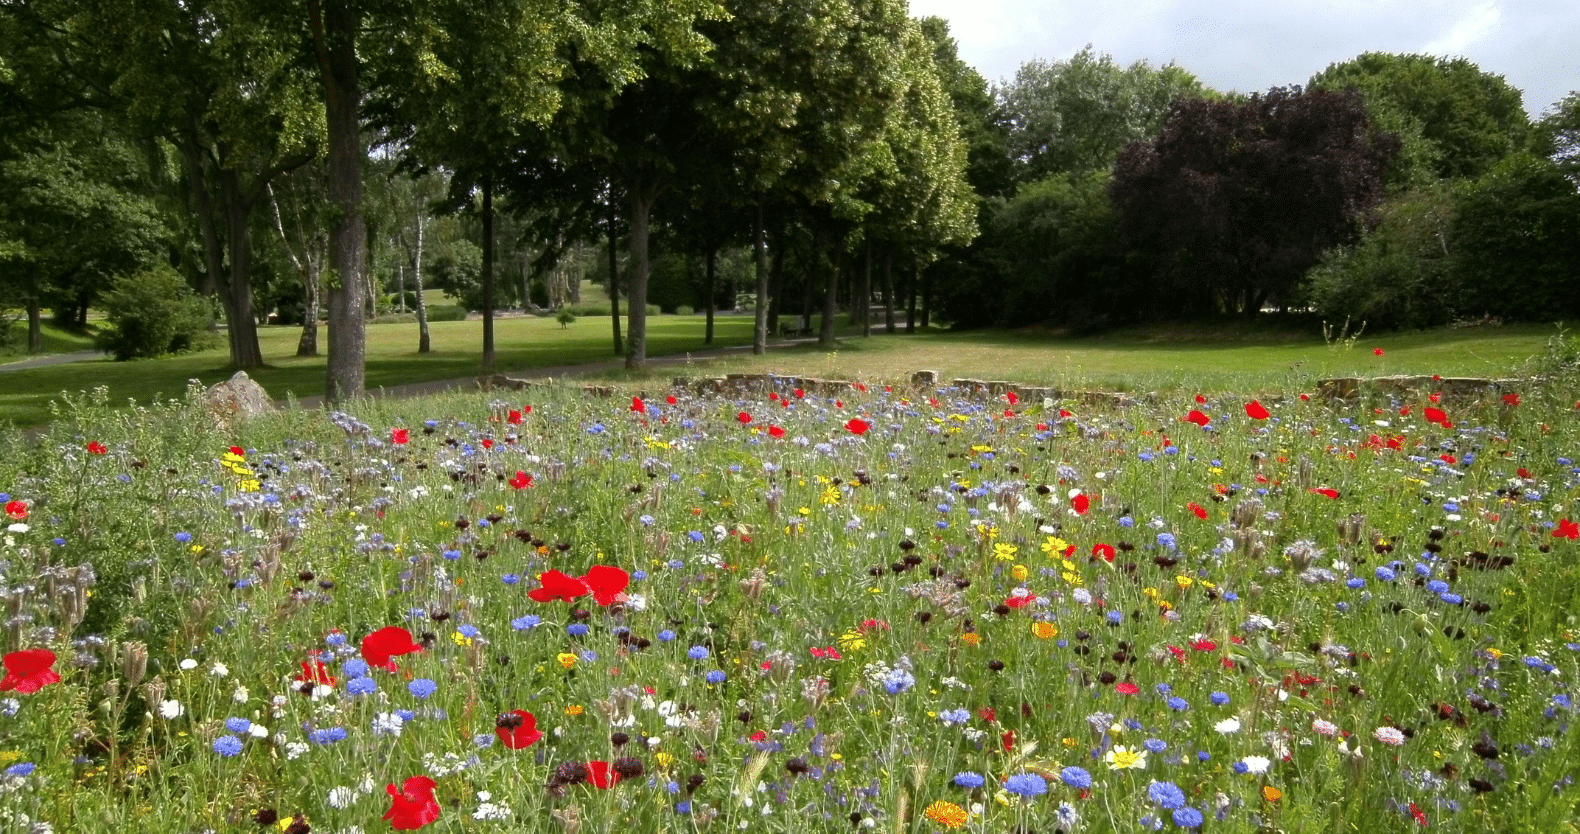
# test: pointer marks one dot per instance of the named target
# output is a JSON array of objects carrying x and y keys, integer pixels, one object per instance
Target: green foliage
[
  {"x": 1398, "y": 274},
  {"x": 565, "y": 317},
  {"x": 1558, "y": 135},
  {"x": 153, "y": 313},
  {"x": 447, "y": 312},
  {"x": 1455, "y": 119},
  {"x": 1516, "y": 242}
]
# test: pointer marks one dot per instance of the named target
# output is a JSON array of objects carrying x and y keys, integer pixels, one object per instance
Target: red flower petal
[
  {"x": 521, "y": 481},
  {"x": 1080, "y": 503},
  {"x": 1195, "y": 416},
  {"x": 399, "y": 436},
  {"x": 523, "y": 735},
  {"x": 638, "y": 405},
  {"x": 1255, "y": 411},
  {"x": 557, "y": 585},
  {"x": 1104, "y": 551},
  {"x": 514, "y": 418},
  {"x": 744, "y": 418},
  {"x": 1566, "y": 530},
  {"x": 607, "y": 584},
  {"x": 1331, "y": 493},
  {"x": 857, "y": 426},
  {"x": 601, "y": 775},
  {"x": 16, "y": 510},
  {"x": 1434, "y": 415},
  {"x": 775, "y": 431},
  {"x": 387, "y": 642},
  {"x": 413, "y": 806},
  {"x": 97, "y": 448},
  {"x": 315, "y": 672},
  {"x": 27, "y": 671},
  {"x": 1126, "y": 688}
]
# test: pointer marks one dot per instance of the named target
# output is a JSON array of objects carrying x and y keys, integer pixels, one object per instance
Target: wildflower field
[{"x": 871, "y": 609}]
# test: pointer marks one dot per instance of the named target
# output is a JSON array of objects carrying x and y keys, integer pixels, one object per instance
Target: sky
[{"x": 1252, "y": 45}]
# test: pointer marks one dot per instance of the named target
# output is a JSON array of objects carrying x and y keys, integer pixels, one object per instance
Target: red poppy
[
  {"x": 1255, "y": 411},
  {"x": 607, "y": 584},
  {"x": 1566, "y": 530},
  {"x": 1203, "y": 645},
  {"x": 557, "y": 585},
  {"x": 638, "y": 405},
  {"x": 1195, "y": 416},
  {"x": 1377, "y": 351},
  {"x": 744, "y": 417},
  {"x": 391, "y": 641},
  {"x": 1448, "y": 458},
  {"x": 488, "y": 443},
  {"x": 1012, "y": 397},
  {"x": 1007, "y": 740},
  {"x": 315, "y": 672},
  {"x": 1064, "y": 412},
  {"x": 857, "y": 426},
  {"x": 399, "y": 437},
  {"x": 775, "y": 431},
  {"x": 1197, "y": 509},
  {"x": 1200, "y": 399},
  {"x": 1331, "y": 493},
  {"x": 1009, "y": 412},
  {"x": 671, "y": 399},
  {"x": 1080, "y": 503},
  {"x": 514, "y": 418},
  {"x": 1511, "y": 399},
  {"x": 521, "y": 481},
  {"x": 413, "y": 805},
  {"x": 601, "y": 775},
  {"x": 28, "y": 671},
  {"x": 1020, "y": 602},
  {"x": 96, "y": 448},
  {"x": 1126, "y": 688},
  {"x": 1435, "y": 415},
  {"x": 800, "y": 394},
  {"x": 1103, "y": 551},
  {"x": 839, "y": 403},
  {"x": 518, "y": 729},
  {"x": 238, "y": 451},
  {"x": 1436, "y": 396},
  {"x": 859, "y": 387},
  {"x": 1523, "y": 473},
  {"x": 16, "y": 510}
]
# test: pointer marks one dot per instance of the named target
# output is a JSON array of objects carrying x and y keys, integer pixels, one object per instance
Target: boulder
[{"x": 236, "y": 400}]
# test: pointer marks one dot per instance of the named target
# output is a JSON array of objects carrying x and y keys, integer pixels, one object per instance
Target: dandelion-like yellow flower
[
  {"x": 1019, "y": 573},
  {"x": 853, "y": 640},
  {"x": 1004, "y": 551},
  {"x": 460, "y": 639},
  {"x": 1184, "y": 581},
  {"x": 830, "y": 496},
  {"x": 971, "y": 638},
  {"x": 566, "y": 659},
  {"x": 1054, "y": 544},
  {"x": 1044, "y": 630},
  {"x": 947, "y": 814},
  {"x": 573, "y": 709}
]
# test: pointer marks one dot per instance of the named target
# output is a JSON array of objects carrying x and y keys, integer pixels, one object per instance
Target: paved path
[{"x": 51, "y": 359}]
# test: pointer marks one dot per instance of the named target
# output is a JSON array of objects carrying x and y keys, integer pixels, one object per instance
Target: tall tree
[
  {"x": 1241, "y": 198},
  {"x": 1073, "y": 116},
  {"x": 1559, "y": 135},
  {"x": 1454, "y": 119}
]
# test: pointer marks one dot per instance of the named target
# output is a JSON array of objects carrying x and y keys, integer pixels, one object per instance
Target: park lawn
[
  {"x": 56, "y": 339},
  {"x": 1149, "y": 359},
  {"x": 392, "y": 359},
  {"x": 1226, "y": 358}
]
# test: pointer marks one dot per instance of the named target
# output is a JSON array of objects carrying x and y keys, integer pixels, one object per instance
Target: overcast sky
[{"x": 1251, "y": 45}]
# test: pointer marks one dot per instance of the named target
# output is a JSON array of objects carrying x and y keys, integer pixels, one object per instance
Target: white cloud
[{"x": 1474, "y": 27}]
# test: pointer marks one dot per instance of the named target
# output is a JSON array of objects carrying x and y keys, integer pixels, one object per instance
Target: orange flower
[
  {"x": 947, "y": 814},
  {"x": 1271, "y": 794}
]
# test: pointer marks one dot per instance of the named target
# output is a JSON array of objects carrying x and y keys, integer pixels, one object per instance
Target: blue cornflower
[
  {"x": 361, "y": 686},
  {"x": 1027, "y": 784},
  {"x": 1384, "y": 573},
  {"x": 1203, "y": 755},
  {"x": 468, "y": 630},
  {"x": 1239, "y": 767},
  {"x": 1355, "y": 582},
  {"x": 227, "y": 746},
  {"x": 697, "y": 653},
  {"x": 1178, "y": 704},
  {"x": 675, "y": 564},
  {"x": 1155, "y": 745},
  {"x": 329, "y": 735},
  {"x": 898, "y": 681},
  {"x": 696, "y": 536},
  {"x": 183, "y": 537},
  {"x": 238, "y": 725},
  {"x": 510, "y": 579},
  {"x": 1167, "y": 540},
  {"x": 638, "y": 575},
  {"x": 665, "y": 636},
  {"x": 1126, "y": 521},
  {"x": 588, "y": 655},
  {"x": 1437, "y": 586},
  {"x": 1188, "y": 818},
  {"x": 528, "y": 622},
  {"x": 1164, "y": 689},
  {"x": 1219, "y": 698},
  {"x": 422, "y": 687},
  {"x": 1116, "y": 617},
  {"x": 405, "y": 715},
  {"x": 1451, "y": 599},
  {"x": 969, "y": 779},
  {"x": 356, "y": 667},
  {"x": 672, "y": 786},
  {"x": 954, "y": 717},
  {"x": 714, "y": 676},
  {"x": 1075, "y": 777},
  {"x": 452, "y": 555},
  {"x": 683, "y": 807},
  {"x": 20, "y": 769},
  {"x": 576, "y": 629},
  {"x": 1167, "y": 795}
]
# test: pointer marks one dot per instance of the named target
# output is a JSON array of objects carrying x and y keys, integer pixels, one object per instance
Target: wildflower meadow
[{"x": 877, "y": 608}]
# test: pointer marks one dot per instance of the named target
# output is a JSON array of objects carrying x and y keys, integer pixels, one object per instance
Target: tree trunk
[
  {"x": 614, "y": 282},
  {"x": 776, "y": 281},
  {"x": 926, "y": 290},
  {"x": 35, "y": 326},
  {"x": 760, "y": 259},
  {"x": 424, "y": 341},
  {"x": 712, "y": 296},
  {"x": 307, "y": 345},
  {"x": 335, "y": 45},
  {"x": 242, "y": 327},
  {"x": 888, "y": 291},
  {"x": 863, "y": 300},
  {"x": 488, "y": 272},
  {"x": 910, "y": 299},
  {"x": 643, "y": 195},
  {"x": 825, "y": 334},
  {"x": 203, "y": 209}
]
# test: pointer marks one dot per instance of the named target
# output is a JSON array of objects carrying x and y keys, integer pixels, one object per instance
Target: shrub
[
  {"x": 565, "y": 317},
  {"x": 684, "y": 310},
  {"x": 153, "y": 313},
  {"x": 446, "y": 312},
  {"x": 601, "y": 309}
]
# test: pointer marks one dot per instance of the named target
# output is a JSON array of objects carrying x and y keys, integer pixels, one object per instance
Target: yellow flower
[
  {"x": 566, "y": 659},
  {"x": 971, "y": 638},
  {"x": 1054, "y": 544},
  {"x": 1004, "y": 551},
  {"x": 1184, "y": 581},
  {"x": 573, "y": 709},
  {"x": 1044, "y": 630},
  {"x": 947, "y": 814},
  {"x": 805, "y": 511},
  {"x": 1019, "y": 573},
  {"x": 1120, "y": 757},
  {"x": 1071, "y": 577},
  {"x": 853, "y": 640},
  {"x": 830, "y": 495},
  {"x": 979, "y": 448},
  {"x": 460, "y": 639},
  {"x": 9, "y": 756},
  {"x": 1271, "y": 794},
  {"x": 665, "y": 759}
]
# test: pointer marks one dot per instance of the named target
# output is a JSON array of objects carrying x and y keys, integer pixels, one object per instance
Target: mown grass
[{"x": 56, "y": 339}]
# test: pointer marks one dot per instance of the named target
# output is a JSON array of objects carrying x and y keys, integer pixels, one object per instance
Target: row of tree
[
  {"x": 740, "y": 121},
  {"x": 1406, "y": 190}
]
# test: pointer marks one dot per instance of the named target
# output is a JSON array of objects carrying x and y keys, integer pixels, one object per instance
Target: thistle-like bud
[{"x": 134, "y": 662}]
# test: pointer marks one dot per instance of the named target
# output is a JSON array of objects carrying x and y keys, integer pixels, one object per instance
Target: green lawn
[
  {"x": 56, "y": 340},
  {"x": 1214, "y": 358}
]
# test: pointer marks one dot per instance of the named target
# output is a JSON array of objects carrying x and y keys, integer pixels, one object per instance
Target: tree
[
  {"x": 1454, "y": 119},
  {"x": 1239, "y": 199},
  {"x": 1559, "y": 135},
  {"x": 1398, "y": 275},
  {"x": 1074, "y": 116},
  {"x": 1516, "y": 242}
]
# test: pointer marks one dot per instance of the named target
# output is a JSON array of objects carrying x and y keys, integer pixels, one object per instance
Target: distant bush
[
  {"x": 153, "y": 313},
  {"x": 395, "y": 318},
  {"x": 446, "y": 312},
  {"x": 565, "y": 317},
  {"x": 601, "y": 309},
  {"x": 684, "y": 310}
]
